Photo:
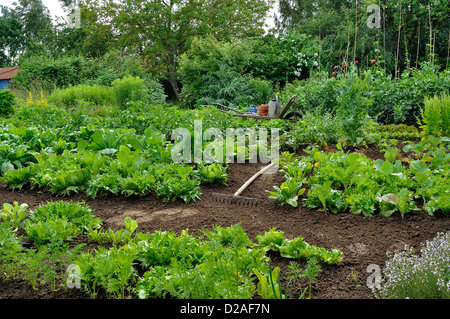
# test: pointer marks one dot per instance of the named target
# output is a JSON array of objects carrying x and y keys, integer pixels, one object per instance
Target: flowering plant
[{"x": 424, "y": 276}]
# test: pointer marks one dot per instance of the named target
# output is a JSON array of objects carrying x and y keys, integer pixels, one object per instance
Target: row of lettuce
[
  {"x": 38, "y": 246},
  {"x": 338, "y": 181},
  {"x": 69, "y": 152},
  {"x": 130, "y": 153}
]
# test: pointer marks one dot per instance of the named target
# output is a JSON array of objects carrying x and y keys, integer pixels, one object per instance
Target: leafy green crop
[
  {"x": 269, "y": 288},
  {"x": 16, "y": 214},
  {"x": 297, "y": 248},
  {"x": 58, "y": 222},
  {"x": 120, "y": 236},
  {"x": 220, "y": 264},
  {"x": 350, "y": 181},
  {"x": 108, "y": 142},
  {"x": 173, "y": 187},
  {"x": 212, "y": 173},
  {"x": 288, "y": 192},
  {"x": 272, "y": 239},
  {"x": 53, "y": 230}
]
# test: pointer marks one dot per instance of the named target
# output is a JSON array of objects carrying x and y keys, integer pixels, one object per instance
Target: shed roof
[{"x": 8, "y": 73}]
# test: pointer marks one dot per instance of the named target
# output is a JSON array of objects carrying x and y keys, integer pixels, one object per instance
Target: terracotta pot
[{"x": 263, "y": 109}]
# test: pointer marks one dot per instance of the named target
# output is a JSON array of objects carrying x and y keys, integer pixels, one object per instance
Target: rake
[{"x": 241, "y": 200}]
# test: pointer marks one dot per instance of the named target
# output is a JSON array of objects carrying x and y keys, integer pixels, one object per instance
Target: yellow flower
[
  {"x": 43, "y": 101},
  {"x": 30, "y": 99}
]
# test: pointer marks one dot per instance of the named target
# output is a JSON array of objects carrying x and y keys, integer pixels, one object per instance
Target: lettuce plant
[{"x": 16, "y": 214}]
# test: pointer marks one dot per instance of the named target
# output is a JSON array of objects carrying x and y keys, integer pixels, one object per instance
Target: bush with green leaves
[
  {"x": 282, "y": 58},
  {"x": 7, "y": 102},
  {"x": 353, "y": 109},
  {"x": 129, "y": 89},
  {"x": 45, "y": 73},
  {"x": 388, "y": 100},
  {"x": 212, "y": 67},
  {"x": 74, "y": 95},
  {"x": 116, "y": 64},
  {"x": 228, "y": 87}
]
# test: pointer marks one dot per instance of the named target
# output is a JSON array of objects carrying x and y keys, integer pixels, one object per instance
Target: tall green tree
[
  {"x": 410, "y": 31},
  {"x": 308, "y": 16},
  {"x": 161, "y": 30},
  {"x": 12, "y": 39},
  {"x": 34, "y": 16}
]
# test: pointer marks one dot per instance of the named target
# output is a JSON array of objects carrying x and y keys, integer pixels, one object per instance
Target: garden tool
[{"x": 241, "y": 200}]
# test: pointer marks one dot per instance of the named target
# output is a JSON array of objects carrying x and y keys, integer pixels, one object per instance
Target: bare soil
[{"x": 363, "y": 240}]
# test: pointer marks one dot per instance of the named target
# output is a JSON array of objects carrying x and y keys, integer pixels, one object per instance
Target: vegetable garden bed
[{"x": 363, "y": 240}]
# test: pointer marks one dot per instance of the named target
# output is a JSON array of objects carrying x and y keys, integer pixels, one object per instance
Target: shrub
[
  {"x": 281, "y": 58},
  {"x": 314, "y": 128},
  {"x": 46, "y": 73},
  {"x": 425, "y": 276},
  {"x": 7, "y": 101},
  {"x": 391, "y": 101},
  {"x": 262, "y": 91},
  {"x": 225, "y": 86},
  {"x": 73, "y": 95},
  {"x": 155, "y": 92},
  {"x": 129, "y": 89},
  {"x": 208, "y": 61},
  {"x": 116, "y": 64},
  {"x": 436, "y": 115},
  {"x": 314, "y": 94}
]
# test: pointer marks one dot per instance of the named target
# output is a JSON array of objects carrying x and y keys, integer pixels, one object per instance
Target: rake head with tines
[
  {"x": 241, "y": 200},
  {"x": 235, "y": 200}
]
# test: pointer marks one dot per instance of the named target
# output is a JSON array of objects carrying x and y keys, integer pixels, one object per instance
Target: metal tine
[{"x": 236, "y": 200}]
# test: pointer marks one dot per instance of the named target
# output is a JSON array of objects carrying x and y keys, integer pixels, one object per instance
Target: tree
[
  {"x": 33, "y": 15},
  {"x": 306, "y": 16},
  {"x": 161, "y": 30},
  {"x": 12, "y": 40},
  {"x": 410, "y": 31}
]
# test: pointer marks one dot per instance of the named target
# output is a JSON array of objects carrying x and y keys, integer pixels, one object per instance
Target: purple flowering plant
[{"x": 419, "y": 276}]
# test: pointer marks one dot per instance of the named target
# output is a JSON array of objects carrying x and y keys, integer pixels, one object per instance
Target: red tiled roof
[{"x": 8, "y": 73}]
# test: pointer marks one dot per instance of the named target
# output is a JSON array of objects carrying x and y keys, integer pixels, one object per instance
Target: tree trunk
[{"x": 174, "y": 83}]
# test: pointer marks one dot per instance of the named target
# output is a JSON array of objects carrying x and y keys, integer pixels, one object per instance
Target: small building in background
[{"x": 6, "y": 74}]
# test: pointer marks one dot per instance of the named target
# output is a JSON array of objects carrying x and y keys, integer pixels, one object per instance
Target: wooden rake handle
[{"x": 241, "y": 189}]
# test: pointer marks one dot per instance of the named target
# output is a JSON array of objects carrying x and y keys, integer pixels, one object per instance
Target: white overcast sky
[
  {"x": 56, "y": 10},
  {"x": 53, "y": 5}
]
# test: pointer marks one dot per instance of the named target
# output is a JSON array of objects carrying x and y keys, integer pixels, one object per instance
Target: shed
[{"x": 6, "y": 74}]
